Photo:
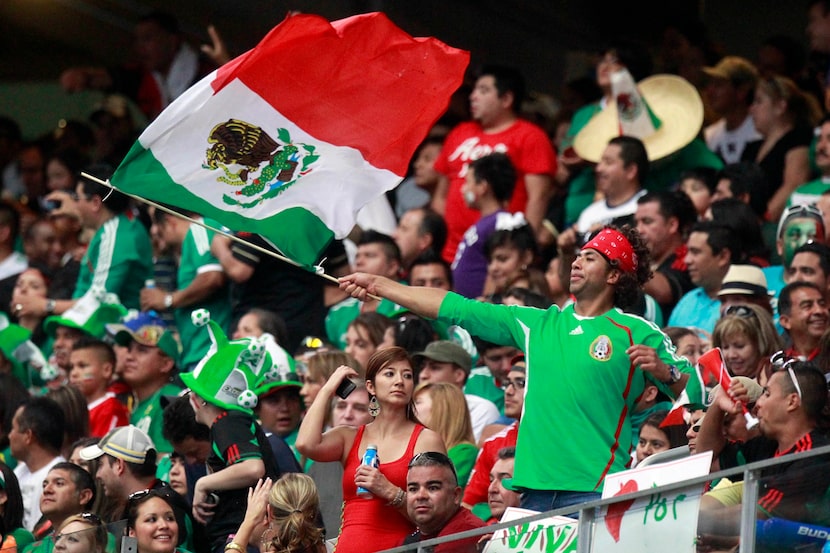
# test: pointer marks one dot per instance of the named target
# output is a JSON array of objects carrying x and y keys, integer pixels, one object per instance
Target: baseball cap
[
  {"x": 734, "y": 69},
  {"x": 148, "y": 329},
  {"x": 128, "y": 443},
  {"x": 445, "y": 351}
]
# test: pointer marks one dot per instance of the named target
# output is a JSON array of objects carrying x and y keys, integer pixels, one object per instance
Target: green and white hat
[
  {"x": 25, "y": 357},
  {"x": 91, "y": 313},
  {"x": 278, "y": 369},
  {"x": 227, "y": 374}
]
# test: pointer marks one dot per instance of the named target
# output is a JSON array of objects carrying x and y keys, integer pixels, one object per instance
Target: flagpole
[{"x": 226, "y": 234}]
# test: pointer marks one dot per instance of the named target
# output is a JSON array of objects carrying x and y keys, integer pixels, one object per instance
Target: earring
[{"x": 374, "y": 406}]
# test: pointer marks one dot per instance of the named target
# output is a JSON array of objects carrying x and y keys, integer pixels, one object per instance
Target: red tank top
[{"x": 369, "y": 524}]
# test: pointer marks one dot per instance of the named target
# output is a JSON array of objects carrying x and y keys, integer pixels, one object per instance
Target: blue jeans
[{"x": 548, "y": 500}]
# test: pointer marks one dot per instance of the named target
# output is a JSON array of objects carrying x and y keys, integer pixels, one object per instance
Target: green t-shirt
[
  {"x": 576, "y": 426},
  {"x": 147, "y": 416},
  {"x": 196, "y": 259},
  {"x": 481, "y": 383},
  {"x": 341, "y": 314},
  {"x": 119, "y": 259},
  {"x": 16, "y": 540},
  {"x": 463, "y": 457},
  {"x": 46, "y": 545}
]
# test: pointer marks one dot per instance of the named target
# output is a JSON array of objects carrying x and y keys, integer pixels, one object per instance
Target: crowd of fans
[{"x": 546, "y": 292}]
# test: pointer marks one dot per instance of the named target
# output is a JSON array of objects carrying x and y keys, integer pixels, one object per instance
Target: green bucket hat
[
  {"x": 90, "y": 314},
  {"x": 226, "y": 376},
  {"x": 25, "y": 357}
]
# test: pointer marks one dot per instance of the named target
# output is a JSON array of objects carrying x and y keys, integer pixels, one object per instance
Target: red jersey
[
  {"x": 476, "y": 490},
  {"x": 105, "y": 414},
  {"x": 529, "y": 149}
]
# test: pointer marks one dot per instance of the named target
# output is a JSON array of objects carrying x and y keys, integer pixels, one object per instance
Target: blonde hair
[
  {"x": 294, "y": 508},
  {"x": 449, "y": 415},
  {"x": 323, "y": 364},
  {"x": 758, "y": 328}
]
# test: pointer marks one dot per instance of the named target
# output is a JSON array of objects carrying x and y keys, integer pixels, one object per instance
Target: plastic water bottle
[{"x": 370, "y": 458}]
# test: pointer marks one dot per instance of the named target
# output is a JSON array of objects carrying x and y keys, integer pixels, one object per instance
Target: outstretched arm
[{"x": 419, "y": 299}]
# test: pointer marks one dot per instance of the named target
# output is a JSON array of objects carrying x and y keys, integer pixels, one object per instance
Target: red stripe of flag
[{"x": 360, "y": 82}]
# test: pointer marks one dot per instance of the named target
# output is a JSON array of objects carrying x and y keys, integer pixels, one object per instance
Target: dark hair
[
  {"x": 179, "y": 423},
  {"x": 116, "y": 201},
  {"x": 676, "y": 333},
  {"x": 413, "y": 333},
  {"x": 105, "y": 351},
  {"x": 520, "y": 238},
  {"x": 147, "y": 469},
  {"x": 165, "y": 20},
  {"x": 819, "y": 249},
  {"x": 272, "y": 323},
  {"x": 71, "y": 158},
  {"x": 45, "y": 418},
  {"x": 139, "y": 499},
  {"x": 160, "y": 215},
  {"x": 792, "y": 51},
  {"x": 82, "y": 479},
  {"x": 633, "y": 55},
  {"x": 813, "y": 387},
  {"x": 381, "y": 359},
  {"x": 433, "y": 223},
  {"x": 13, "y": 394},
  {"x": 675, "y": 433},
  {"x": 785, "y": 297},
  {"x": 13, "y": 509},
  {"x": 744, "y": 177},
  {"x": 707, "y": 175},
  {"x": 75, "y": 413},
  {"x": 431, "y": 257},
  {"x": 673, "y": 204},
  {"x": 632, "y": 150},
  {"x": 9, "y": 217},
  {"x": 528, "y": 297},
  {"x": 375, "y": 325},
  {"x": 507, "y": 453},
  {"x": 743, "y": 222},
  {"x": 390, "y": 247},
  {"x": 507, "y": 79},
  {"x": 719, "y": 237},
  {"x": 498, "y": 171},
  {"x": 628, "y": 290},
  {"x": 434, "y": 459}
]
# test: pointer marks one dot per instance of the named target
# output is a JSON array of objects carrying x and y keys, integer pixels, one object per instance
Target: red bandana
[{"x": 614, "y": 247}]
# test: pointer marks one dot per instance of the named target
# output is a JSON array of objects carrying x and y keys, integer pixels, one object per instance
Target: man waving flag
[{"x": 292, "y": 138}]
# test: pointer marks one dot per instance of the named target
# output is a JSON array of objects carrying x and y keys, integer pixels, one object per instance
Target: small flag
[
  {"x": 710, "y": 371},
  {"x": 292, "y": 138}
]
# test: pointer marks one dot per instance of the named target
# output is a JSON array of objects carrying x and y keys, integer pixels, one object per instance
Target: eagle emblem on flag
[{"x": 259, "y": 166}]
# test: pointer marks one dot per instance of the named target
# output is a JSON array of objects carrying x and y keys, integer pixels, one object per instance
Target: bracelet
[
  {"x": 399, "y": 497},
  {"x": 234, "y": 546}
]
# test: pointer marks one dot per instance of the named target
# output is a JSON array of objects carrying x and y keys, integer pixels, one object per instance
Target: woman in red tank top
[{"x": 377, "y": 522}]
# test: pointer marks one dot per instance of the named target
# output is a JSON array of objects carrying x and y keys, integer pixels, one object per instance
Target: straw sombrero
[{"x": 673, "y": 104}]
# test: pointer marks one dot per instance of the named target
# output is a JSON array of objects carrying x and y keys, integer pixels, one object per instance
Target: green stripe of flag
[{"x": 298, "y": 231}]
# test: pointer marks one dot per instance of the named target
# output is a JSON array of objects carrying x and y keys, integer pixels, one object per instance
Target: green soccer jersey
[
  {"x": 119, "y": 259},
  {"x": 481, "y": 383},
  {"x": 147, "y": 416},
  {"x": 195, "y": 260},
  {"x": 581, "y": 386},
  {"x": 343, "y": 313}
]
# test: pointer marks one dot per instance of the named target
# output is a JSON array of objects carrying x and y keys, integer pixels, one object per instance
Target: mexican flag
[{"x": 292, "y": 138}]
